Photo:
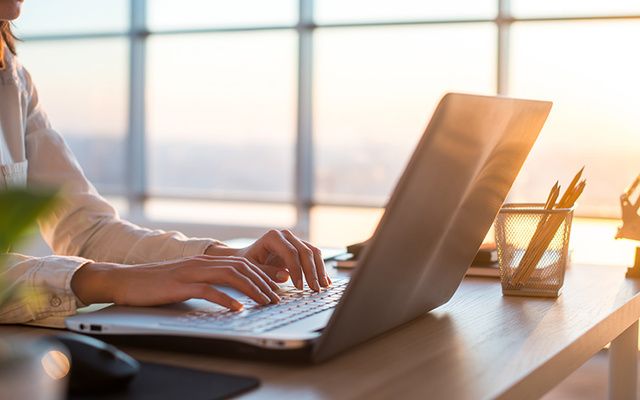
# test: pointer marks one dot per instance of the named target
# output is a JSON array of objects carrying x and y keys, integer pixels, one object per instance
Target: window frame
[{"x": 136, "y": 189}]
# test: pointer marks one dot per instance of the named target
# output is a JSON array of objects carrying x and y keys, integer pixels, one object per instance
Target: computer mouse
[{"x": 97, "y": 367}]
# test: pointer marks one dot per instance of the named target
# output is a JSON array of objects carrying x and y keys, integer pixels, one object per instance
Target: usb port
[{"x": 95, "y": 328}]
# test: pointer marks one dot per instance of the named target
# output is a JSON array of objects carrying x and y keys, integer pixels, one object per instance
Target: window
[
  {"x": 301, "y": 113},
  {"x": 590, "y": 72},
  {"x": 82, "y": 85},
  {"x": 221, "y": 114},
  {"x": 374, "y": 90}
]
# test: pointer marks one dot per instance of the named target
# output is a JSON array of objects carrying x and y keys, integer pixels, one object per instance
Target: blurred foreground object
[
  {"x": 19, "y": 210},
  {"x": 630, "y": 228},
  {"x": 29, "y": 368},
  {"x": 33, "y": 369}
]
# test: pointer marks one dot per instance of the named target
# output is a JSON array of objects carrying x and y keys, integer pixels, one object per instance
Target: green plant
[{"x": 19, "y": 210}]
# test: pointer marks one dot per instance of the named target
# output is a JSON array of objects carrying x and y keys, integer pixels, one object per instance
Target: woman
[{"x": 101, "y": 258}]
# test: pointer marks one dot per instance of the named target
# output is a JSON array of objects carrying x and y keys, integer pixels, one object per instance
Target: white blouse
[{"x": 84, "y": 227}]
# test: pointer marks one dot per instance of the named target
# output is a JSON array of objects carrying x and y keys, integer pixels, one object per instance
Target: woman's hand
[
  {"x": 280, "y": 254},
  {"x": 173, "y": 281}
]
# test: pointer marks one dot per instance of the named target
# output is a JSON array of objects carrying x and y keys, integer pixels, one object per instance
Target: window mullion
[
  {"x": 502, "y": 64},
  {"x": 304, "y": 165},
  {"x": 136, "y": 151}
]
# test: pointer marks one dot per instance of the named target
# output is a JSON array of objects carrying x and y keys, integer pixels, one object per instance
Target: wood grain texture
[{"x": 480, "y": 345}]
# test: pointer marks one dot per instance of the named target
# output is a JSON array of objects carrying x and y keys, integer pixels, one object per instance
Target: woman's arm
[
  {"x": 51, "y": 288},
  {"x": 173, "y": 281}
]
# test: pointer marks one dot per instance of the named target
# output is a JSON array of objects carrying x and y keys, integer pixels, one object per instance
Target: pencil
[
  {"x": 553, "y": 196},
  {"x": 544, "y": 234},
  {"x": 551, "y": 200},
  {"x": 571, "y": 186},
  {"x": 549, "y": 232}
]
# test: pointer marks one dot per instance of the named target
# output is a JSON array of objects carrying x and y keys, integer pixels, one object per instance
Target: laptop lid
[{"x": 438, "y": 215}]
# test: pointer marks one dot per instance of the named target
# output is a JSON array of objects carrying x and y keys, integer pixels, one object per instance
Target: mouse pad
[{"x": 157, "y": 381}]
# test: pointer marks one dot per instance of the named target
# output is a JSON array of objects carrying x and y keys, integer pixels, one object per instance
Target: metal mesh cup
[{"x": 515, "y": 227}]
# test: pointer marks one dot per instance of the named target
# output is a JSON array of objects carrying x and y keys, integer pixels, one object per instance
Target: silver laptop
[{"x": 434, "y": 222}]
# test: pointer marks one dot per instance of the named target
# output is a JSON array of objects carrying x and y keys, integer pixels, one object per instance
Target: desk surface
[{"x": 479, "y": 345}]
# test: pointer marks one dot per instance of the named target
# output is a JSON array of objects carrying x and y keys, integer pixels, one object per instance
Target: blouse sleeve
[{"x": 41, "y": 288}]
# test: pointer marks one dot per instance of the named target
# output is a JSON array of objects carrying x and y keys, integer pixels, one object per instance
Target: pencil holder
[{"x": 533, "y": 248}]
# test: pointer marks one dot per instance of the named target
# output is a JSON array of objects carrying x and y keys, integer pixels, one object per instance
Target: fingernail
[
  {"x": 282, "y": 276},
  {"x": 265, "y": 299},
  {"x": 237, "y": 305},
  {"x": 299, "y": 284},
  {"x": 324, "y": 280}
]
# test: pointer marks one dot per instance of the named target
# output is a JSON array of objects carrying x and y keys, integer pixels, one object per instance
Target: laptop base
[{"x": 210, "y": 347}]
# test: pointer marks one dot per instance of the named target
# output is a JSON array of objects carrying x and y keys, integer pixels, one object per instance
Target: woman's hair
[{"x": 6, "y": 37}]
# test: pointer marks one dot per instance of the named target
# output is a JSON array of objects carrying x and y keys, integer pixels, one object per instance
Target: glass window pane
[
  {"x": 591, "y": 75},
  {"x": 84, "y": 92},
  {"x": 221, "y": 113},
  {"x": 223, "y": 213},
  {"x": 341, "y": 226},
  {"x": 593, "y": 243},
  {"x": 375, "y": 89},
  {"x": 72, "y": 16},
  {"x": 336, "y": 11},
  {"x": 542, "y": 8},
  {"x": 190, "y": 14}
]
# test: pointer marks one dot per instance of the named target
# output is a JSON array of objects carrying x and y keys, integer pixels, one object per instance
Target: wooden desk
[{"x": 479, "y": 345}]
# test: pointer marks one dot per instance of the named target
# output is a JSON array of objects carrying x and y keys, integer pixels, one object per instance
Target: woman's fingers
[
  {"x": 306, "y": 258},
  {"x": 230, "y": 277},
  {"x": 300, "y": 258},
  {"x": 206, "y": 292},
  {"x": 237, "y": 273},
  {"x": 238, "y": 262},
  {"x": 278, "y": 274},
  {"x": 323, "y": 277},
  {"x": 275, "y": 242},
  {"x": 267, "y": 278},
  {"x": 259, "y": 279}
]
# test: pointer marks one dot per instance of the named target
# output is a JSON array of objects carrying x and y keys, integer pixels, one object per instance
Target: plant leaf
[{"x": 19, "y": 210}]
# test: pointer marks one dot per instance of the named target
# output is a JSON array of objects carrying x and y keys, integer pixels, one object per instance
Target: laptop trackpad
[{"x": 312, "y": 324}]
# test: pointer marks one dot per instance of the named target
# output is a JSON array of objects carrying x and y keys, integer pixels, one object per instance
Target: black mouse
[{"x": 97, "y": 367}]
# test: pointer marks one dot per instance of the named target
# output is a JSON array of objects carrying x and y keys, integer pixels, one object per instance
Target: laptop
[{"x": 441, "y": 209}]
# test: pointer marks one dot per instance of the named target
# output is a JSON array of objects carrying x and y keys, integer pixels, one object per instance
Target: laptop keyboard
[{"x": 294, "y": 305}]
